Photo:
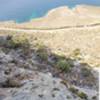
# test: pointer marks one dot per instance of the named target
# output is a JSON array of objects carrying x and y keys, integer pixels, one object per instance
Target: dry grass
[{"x": 67, "y": 40}]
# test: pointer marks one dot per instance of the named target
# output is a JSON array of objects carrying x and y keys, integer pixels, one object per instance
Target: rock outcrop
[{"x": 34, "y": 75}]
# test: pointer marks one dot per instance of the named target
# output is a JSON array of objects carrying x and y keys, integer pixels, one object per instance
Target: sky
[{"x": 25, "y": 9}]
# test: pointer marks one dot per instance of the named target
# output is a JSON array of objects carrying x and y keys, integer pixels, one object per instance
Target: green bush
[
  {"x": 76, "y": 52},
  {"x": 73, "y": 90},
  {"x": 19, "y": 41},
  {"x": 60, "y": 57},
  {"x": 43, "y": 56},
  {"x": 42, "y": 52},
  {"x": 86, "y": 72},
  {"x": 82, "y": 95},
  {"x": 64, "y": 65}
]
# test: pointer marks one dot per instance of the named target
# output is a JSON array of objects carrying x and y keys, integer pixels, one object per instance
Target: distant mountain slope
[{"x": 63, "y": 16}]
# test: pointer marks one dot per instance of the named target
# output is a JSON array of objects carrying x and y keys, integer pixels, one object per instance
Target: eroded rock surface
[{"x": 30, "y": 77}]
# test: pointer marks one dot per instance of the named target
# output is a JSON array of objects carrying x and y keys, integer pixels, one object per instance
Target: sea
[{"x": 25, "y": 10}]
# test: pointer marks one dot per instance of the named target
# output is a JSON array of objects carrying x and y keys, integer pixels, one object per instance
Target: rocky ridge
[{"x": 35, "y": 73}]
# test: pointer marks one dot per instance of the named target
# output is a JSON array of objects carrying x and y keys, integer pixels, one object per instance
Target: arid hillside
[
  {"x": 60, "y": 17},
  {"x": 64, "y": 30},
  {"x": 66, "y": 41}
]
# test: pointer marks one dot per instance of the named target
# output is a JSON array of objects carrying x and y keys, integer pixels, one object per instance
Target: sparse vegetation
[
  {"x": 76, "y": 54},
  {"x": 86, "y": 72},
  {"x": 64, "y": 65},
  {"x": 64, "y": 82},
  {"x": 73, "y": 90},
  {"x": 82, "y": 95},
  {"x": 19, "y": 41},
  {"x": 60, "y": 57},
  {"x": 42, "y": 53},
  {"x": 12, "y": 83}
]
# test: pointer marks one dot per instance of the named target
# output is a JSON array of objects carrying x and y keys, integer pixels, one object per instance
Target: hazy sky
[{"x": 14, "y": 9}]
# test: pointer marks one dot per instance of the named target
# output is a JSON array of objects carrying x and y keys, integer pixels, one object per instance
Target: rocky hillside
[
  {"x": 51, "y": 58},
  {"x": 30, "y": 70}
]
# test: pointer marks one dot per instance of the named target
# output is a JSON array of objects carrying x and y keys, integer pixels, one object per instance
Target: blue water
[{"x": 24, "y": 10}]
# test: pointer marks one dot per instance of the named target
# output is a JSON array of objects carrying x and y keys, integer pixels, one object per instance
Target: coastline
[{"x": 80, "y": 15}]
